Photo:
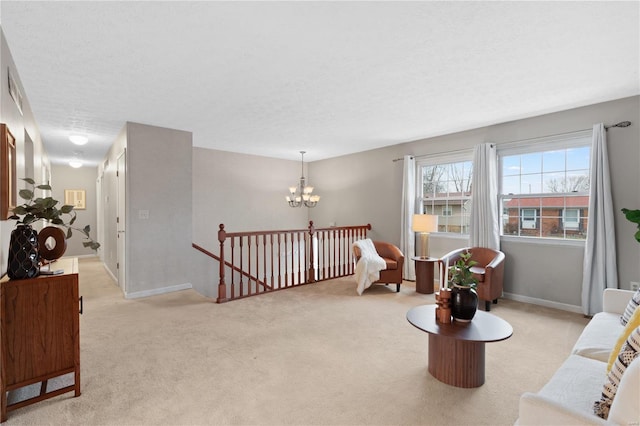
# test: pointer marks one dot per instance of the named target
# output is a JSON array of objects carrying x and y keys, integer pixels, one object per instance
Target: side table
[{"x": 424, "y": 273}]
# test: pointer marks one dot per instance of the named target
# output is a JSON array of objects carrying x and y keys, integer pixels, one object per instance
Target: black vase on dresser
[{"x": 23, "y": 259}]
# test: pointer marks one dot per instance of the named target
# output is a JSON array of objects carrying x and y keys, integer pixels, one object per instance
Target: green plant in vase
[
  {"x": 460, "y": 272},
  {"x": 464, "y": 300},
  {"x": 633, "y": 216}
]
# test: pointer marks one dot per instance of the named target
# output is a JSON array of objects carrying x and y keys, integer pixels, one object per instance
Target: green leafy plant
[
  {"x": 34, "y": 209},
  {"x": 633, "y": 216},
  {"x": 460, "y": 272}
]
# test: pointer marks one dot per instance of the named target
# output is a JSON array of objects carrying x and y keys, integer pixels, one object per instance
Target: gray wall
[
  {"x": 158, "y": 181},
  {"x": 66, "y": 177},
  {"x": 243, "y": 192},
  {"x": 20, "y": 124},
  {"x": 365, "y": 187}
]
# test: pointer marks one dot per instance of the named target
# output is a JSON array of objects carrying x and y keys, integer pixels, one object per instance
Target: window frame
[
  {"x": 460, "y": 156},
  {"x": 580, "y": 139}
]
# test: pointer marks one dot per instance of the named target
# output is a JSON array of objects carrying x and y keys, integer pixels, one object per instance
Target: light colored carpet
[{"x": 315, "y": 355}]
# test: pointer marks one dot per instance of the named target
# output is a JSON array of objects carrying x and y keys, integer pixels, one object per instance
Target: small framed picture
[
  {"x": 8, "y": 184},
  {"x": 75, "y": 198},
  {"x": 14, "y": 91}
]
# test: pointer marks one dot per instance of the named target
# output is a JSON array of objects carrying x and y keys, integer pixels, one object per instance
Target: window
[
  {"x": 571, "y": 219},
  {"x": 529, "y": 217},
  {"x": 544, "y": 187},
  {"x": 444, "y": 187}
]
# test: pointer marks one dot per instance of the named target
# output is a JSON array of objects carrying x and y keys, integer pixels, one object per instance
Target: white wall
[{"x": 365, "y": 187}]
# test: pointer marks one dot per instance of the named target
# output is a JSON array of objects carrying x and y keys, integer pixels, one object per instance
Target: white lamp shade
[{"x": 424, "y": 223}]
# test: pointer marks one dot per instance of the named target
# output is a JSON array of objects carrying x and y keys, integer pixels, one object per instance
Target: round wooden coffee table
[{"x": 456, "y": 350}]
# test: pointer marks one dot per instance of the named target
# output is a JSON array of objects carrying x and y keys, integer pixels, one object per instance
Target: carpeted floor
[{"x": 315, "y": 355}]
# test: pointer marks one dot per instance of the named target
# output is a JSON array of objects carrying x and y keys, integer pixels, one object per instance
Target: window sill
[{"x": 543, "y": 241}]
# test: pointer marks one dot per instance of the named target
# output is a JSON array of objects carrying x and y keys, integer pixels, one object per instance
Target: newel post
[
  {"x": 222, "y": 287},
  {"x": 312, "y": 270}
]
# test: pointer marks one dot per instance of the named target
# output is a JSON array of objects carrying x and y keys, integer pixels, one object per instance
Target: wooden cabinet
[{"x": 40, "y": 333}]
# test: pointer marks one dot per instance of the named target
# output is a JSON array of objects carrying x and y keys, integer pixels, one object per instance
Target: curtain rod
[
  {"x": 620, "y": 124},
  {"x": 456, "y": 151}
]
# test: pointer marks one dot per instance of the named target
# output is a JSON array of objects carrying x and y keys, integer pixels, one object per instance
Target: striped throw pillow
[
  {"x": 628, "y": 353},
  {"x": 631, "y": 308}
]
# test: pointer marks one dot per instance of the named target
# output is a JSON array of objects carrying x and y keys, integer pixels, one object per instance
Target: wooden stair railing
[{"x": 263, "y": 261}]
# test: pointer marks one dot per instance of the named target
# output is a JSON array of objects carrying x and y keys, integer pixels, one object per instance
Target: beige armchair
[
  {"x": 489, "y": 271},
  {"x": 394, "y": 259}
]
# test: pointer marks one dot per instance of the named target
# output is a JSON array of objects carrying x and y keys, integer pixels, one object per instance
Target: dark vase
[
  {"x": 23, "y": 253},
  {"x": 464, "y": 303}
]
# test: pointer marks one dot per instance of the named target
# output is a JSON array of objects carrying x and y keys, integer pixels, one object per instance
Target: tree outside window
[{"x": 446, "y": 192}]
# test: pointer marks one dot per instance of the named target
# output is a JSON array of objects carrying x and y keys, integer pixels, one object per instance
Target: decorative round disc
[{"x": 52, "y": 243}]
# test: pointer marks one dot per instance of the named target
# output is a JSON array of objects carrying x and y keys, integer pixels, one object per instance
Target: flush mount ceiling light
[
  {"x": 302, "y": 194},
  {"x": 76, "y": 161},
  {"x": 78, "y": 139}
]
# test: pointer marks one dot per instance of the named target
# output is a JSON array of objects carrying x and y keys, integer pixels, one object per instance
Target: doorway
[{"x": 121, "y": 219}]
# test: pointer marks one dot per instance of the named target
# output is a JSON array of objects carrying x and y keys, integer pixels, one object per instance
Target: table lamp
[{"x": 424, "y": 224}]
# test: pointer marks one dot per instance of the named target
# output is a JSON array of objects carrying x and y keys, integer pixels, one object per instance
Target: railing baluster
[
  {"x": 299, "y": 258},
  {"x": 288, "y": 264},
  {"x": 279, "y": 262},
  {"x": 233, "y": 276},
  {"x": 256, "y": 262},
  {"x": 264, "y": 263}
]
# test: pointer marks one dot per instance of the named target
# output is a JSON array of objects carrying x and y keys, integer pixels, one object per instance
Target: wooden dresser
[{"x": 40, "y": 333}]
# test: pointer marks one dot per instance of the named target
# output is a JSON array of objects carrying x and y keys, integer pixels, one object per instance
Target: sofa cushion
[
  {"x": 627, "y": 355},
  {"x": 599, "y": 337},
  {"x": 622, "y": 339},
  {"x": 631, "y": 308},
  {"x": 625, "y": 408},
  {"x": 576, "y": 383}
]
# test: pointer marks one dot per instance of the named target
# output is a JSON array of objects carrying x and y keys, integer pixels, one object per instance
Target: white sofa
[{"x": 568, "y": 397}]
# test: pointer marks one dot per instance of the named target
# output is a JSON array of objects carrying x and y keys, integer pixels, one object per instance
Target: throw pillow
[
  {"x": 634, "y": 322},
  {"x": 628, "y": 353},
  {"x": 631, "y": 308}
]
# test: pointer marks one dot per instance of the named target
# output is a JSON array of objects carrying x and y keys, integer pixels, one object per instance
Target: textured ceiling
[{"x": 331, "y": 78}]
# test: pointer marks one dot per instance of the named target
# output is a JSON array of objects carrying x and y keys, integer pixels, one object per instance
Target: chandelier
[{"x": 301, "y": 195}]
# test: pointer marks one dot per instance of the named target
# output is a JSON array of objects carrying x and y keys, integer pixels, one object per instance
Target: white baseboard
[
  {"x": 543, "y": 302},
  {"x": 80, "y": 256},
  {"x": 156, "y": 291},
  {"x": 115, "y": 279}
]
